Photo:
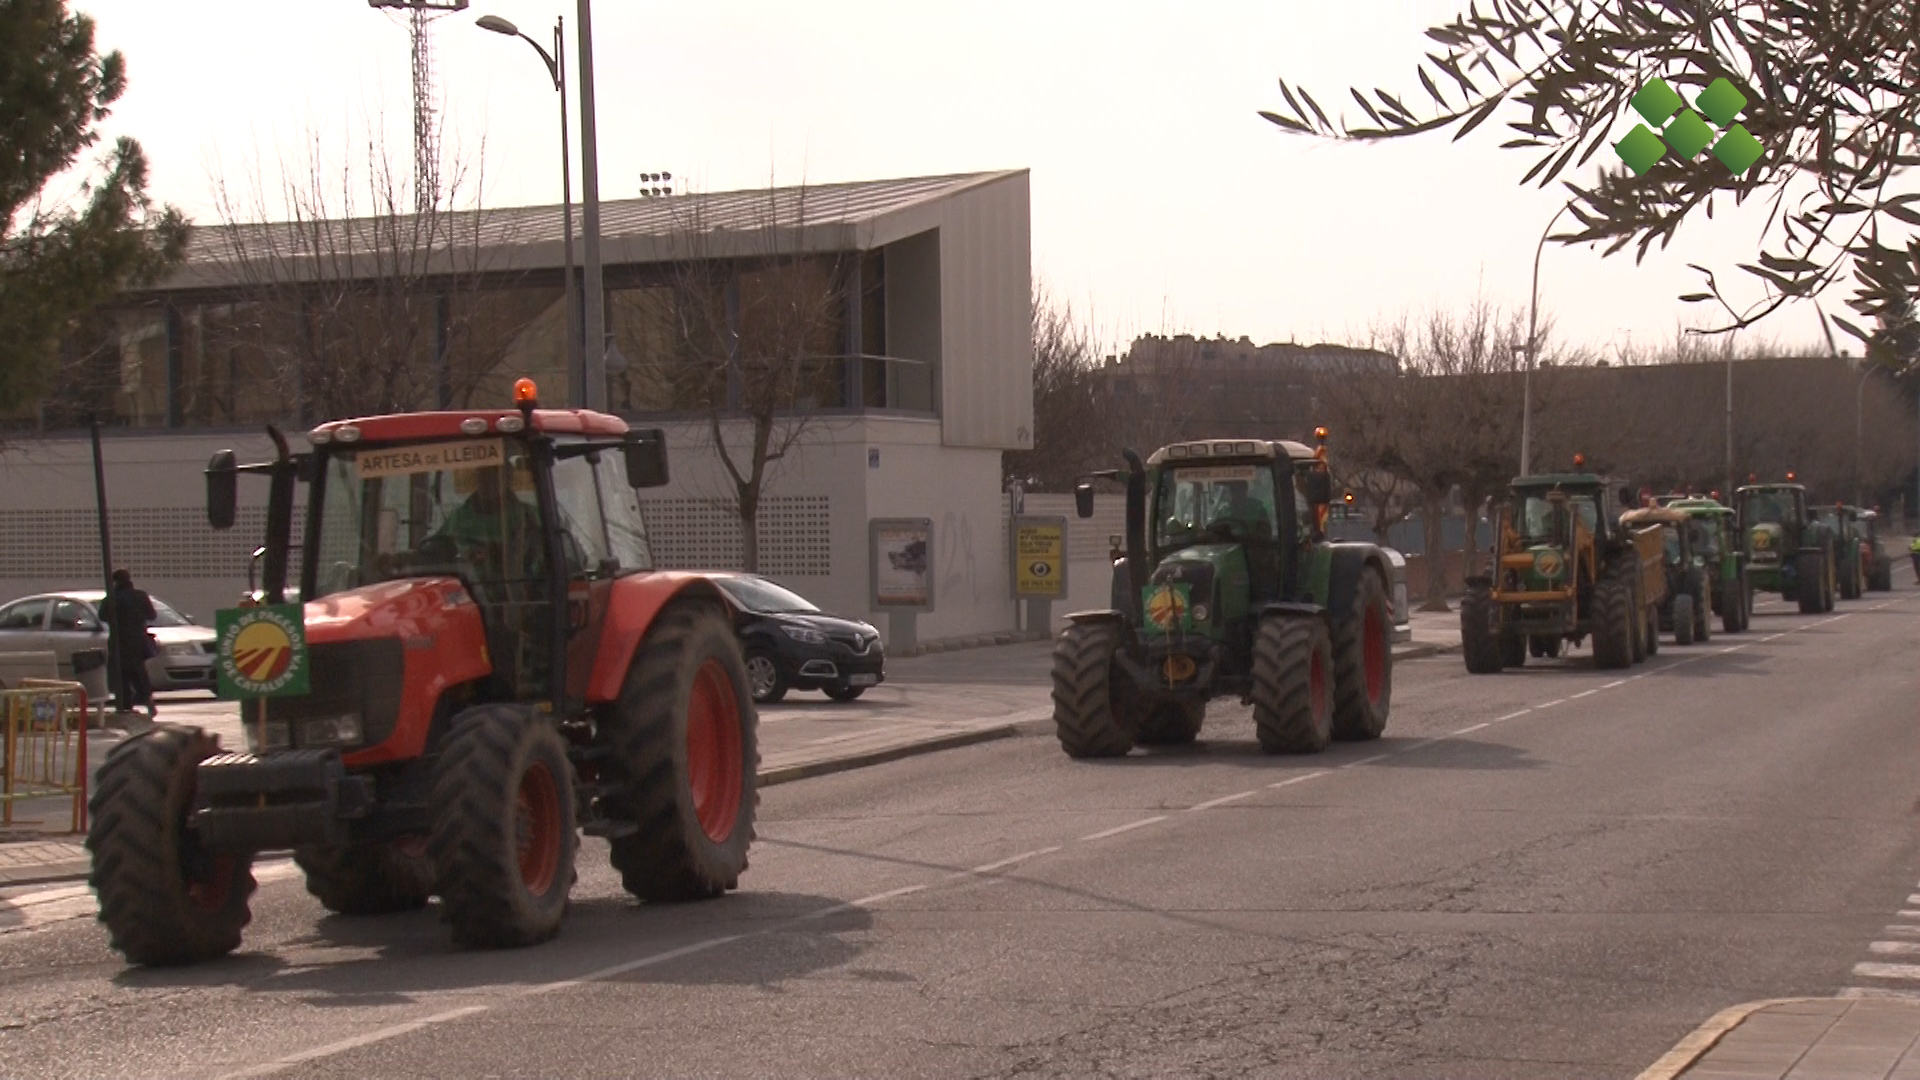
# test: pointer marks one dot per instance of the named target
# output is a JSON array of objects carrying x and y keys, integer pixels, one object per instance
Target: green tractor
[
  {"x": 1228, "y": 585},
  {"x": 1564, "y": 568},
  {"x": 1715, "y": 540},
  {"x": 1789, "y": 550},
  {"x": 1849, "y": 548}
]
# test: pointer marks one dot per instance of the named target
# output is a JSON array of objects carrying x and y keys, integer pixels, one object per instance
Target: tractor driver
[
  {"x": 493, "y": 529},
  {"x": 1241, "y": 507}
]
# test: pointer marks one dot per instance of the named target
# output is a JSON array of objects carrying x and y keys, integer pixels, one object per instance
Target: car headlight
[
  {"x": 331, "y": 731},
  {"x": 183, "y": 649},
  {"x": 804, "y": 635}
]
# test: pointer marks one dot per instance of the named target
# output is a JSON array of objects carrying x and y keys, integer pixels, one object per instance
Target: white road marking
[
  {"x": 1298, "y": 779},
  {"x": 1614, "y": 683},
  {"x": 1584, "y": 693},
  {"x": 1224, "y": 799},
  {"x": 1908, "y": 913},
  {"x": 281, "y": 1064},
  {"x": 1879, "y": 992},
  {"x": 1522, "y": 712},
  {"x": 1129, "y": 827},
  {"x": 1895, "y": 948},
  {"x": 1475, "y": 727},
  {"x": 1887, "y": 971},
  {"x": 1003, "y": 863},
  {"x": 1366, "y": 761},
  {"x": 1901, "y": 928},
  {"x": 1551, "y": 704}
]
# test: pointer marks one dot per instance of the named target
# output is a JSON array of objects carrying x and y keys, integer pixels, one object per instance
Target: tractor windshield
[
  {"x": 1706, "y": 539},
  {"x": 1543, "y": 520},
  {"x": 1195, "y": 503},
  {"x": 1766, "y": 507},
  {"x": 402, "y": 512},
  {"x": 1670, "y": 537}
]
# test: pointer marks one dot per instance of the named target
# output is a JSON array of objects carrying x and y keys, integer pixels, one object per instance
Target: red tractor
[{"x": 493, "y": 667}]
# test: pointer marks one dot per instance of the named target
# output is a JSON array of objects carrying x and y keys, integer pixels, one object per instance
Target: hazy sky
[{"x": 1161, "y": 201}]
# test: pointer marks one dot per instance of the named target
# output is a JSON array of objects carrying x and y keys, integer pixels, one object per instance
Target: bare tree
[
  {"x": 1071, "y": 433},
  {"x": 348, "y": 298},
  {"x": 749, "y": 334}
]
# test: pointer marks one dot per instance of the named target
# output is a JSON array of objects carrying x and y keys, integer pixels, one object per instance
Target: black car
[{"x": 792, "y": 645}]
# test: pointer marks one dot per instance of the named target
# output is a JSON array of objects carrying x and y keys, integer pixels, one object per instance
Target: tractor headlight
[
  {"x": 804, "y": 635},
  {"x": 331, "y": 731},
  {"x": 277, "y": 736},
  {"x": 1199, "y": 613}
]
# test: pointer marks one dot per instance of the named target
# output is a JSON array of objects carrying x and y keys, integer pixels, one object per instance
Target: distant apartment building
[{"x": 1168, "y": 388}]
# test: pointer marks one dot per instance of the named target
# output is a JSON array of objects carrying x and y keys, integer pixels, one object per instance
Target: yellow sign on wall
[{"x": 1040, "y": 557}]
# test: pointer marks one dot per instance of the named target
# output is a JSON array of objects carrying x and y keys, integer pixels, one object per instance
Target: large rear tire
[
  {"x": 1881, "y": 579},
  {"x": 1092, "y": 707},
  {"x": 1733, "y": 605},
  {"x": 1363, "y": 663},
  {"x": 1702, "y": 612},
  {"x": 686, "y": 759},
  {"x": 1293, "y": 685},
  {"x": 368, "y": 879},
  {"x": 1683, "y": 620},
  {"x": 1613, "y": 622},
  {"x": 164, "y": 900},
  {"x": 1479, "y": 639},
  {"x": 1652, "y": 638},
  {"x": 503, "y": 835},
  {"x": 1637, "y": 615},
  {"x": 1810, "y": 578}
]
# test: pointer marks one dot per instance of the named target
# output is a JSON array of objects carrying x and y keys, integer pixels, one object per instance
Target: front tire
[
  {"x": 1733, "y": 605},
  {"x": 1810, "y": 582},
  {"x": 1293, "y": 685},
  {"x": 163, "y": 900},
  {"x": 503, "y": 827},
  {"x": 685, "y": 741},
  {"x": 1363, "y": 664},
  {"x": 1479, "y": 639},
  {"x": 1613, "y": 622},
  {"x": 845, "y": 693},
  {"x": 1683, "y": 620},
  {"x": 1091, "y": 713}
]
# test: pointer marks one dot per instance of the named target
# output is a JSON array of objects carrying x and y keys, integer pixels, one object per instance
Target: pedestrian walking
[{"x": 130, "y": 612}]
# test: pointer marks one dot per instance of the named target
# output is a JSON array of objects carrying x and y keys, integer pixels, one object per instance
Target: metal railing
[{"x": 43, "y": 745}]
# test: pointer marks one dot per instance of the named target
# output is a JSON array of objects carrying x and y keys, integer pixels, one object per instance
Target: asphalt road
[{"x": 1552, "y": 872}]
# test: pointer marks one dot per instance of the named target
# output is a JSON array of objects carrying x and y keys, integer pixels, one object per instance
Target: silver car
[{"x": 64, "y": 623}]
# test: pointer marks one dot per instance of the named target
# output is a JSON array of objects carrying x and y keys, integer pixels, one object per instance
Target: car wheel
[{"x": 763, "y": 678}]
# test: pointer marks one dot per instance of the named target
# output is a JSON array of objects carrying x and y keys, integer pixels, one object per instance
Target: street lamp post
[
  {"x": 557, "y": 67},
  {"x": 596, "y": 314},
  {"x": 1533, "y": 350}
]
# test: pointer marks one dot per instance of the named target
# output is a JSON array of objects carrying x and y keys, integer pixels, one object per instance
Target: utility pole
[{"x": 595, "y": 395}]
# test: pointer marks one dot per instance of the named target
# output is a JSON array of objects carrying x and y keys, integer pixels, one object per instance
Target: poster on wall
[
  {"x": 901, "y": 557},
  {"x": 1039, "y": 557}
]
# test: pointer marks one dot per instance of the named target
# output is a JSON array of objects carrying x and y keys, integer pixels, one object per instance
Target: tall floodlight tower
[{"x": 426, "y": 151}]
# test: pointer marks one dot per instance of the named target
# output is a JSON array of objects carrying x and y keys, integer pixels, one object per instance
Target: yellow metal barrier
[{"x": 43, "y": 745}]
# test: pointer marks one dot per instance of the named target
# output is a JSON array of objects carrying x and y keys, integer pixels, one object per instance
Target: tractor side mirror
[
  {"x": 1317, "y": 485},
  {"x": 223, "y": 483},
  {"x": 646, "y": 453},
  {"x": 1083, "y": 499}
]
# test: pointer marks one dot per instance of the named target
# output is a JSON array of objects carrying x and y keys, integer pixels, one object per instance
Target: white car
[{"x": 64, "y": 623}]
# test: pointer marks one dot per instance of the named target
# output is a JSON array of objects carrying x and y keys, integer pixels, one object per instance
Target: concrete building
[{"x": 915, "y": 372}]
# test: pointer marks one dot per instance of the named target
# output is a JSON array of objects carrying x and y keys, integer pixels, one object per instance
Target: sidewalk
[
  {"x": 1868, "y": 1038},
  {"x": 929, "y": 702}
]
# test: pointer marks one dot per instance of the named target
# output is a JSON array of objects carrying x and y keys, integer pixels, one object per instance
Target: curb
[
  {"x": 46, "y": 874},
  {"x": 784, "y": 774},
  {"x": 1707, "y": 1035}
]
